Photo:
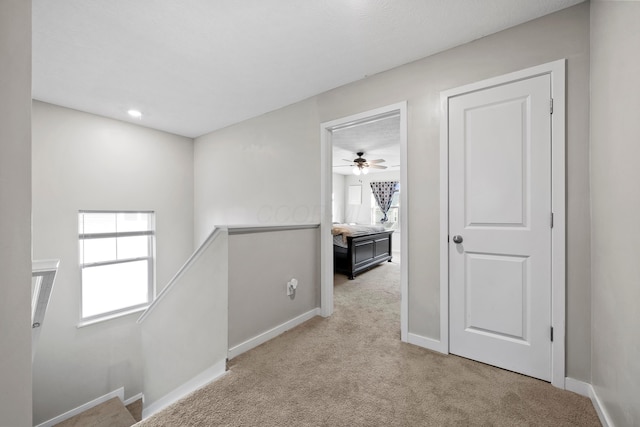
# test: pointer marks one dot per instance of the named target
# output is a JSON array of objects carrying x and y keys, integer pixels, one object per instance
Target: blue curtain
[{"x": 383, "y": 193}]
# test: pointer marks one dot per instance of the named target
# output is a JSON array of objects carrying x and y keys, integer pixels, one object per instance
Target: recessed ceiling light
[{"x": 135, "y": 114}]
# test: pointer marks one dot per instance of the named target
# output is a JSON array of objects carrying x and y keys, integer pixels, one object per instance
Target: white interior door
[{"x": 500, "y": 213}]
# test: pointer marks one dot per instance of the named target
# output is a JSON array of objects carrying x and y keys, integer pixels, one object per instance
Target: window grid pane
[
  {"x": 133, "y": 221},
  {"x": 103, "y": 222},
  {"x": 97, "y": 250},
  {"x": 133, "y": 247},
  {"x": 114, "y": 287}
]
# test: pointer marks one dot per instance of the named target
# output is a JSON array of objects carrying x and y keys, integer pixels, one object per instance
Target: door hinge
[
  {"x": 551, "y": 106},
  {"x": 447, "y": 238},
  {"x": 551, "y": 219},
  {"x": 552, "y": 334}
]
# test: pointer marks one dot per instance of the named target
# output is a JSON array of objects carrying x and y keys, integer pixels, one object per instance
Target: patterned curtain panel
[{"x": 383, "y": 192}]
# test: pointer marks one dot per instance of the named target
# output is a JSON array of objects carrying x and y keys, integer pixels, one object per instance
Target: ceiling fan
[{"x": 362, "y": 165}]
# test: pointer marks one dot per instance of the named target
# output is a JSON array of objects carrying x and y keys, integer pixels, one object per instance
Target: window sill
[{"x": 84, "y": 323}]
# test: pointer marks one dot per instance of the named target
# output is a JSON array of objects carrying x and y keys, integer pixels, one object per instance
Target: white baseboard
[
  {"x": 428, "y": 343},
  {"x": 209, "y": 375},
  {"x": 579, "y": 387},
  {"x": 605, "y": 419},
  {"x": 587, "y": 390},
  {"x": 80, "y": 409},
  {"x": 271, "y": 333},
  {"x": 133, "y": 398}
]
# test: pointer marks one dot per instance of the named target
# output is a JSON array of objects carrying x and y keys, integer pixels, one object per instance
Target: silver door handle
[{"x": 457, "y": 238}]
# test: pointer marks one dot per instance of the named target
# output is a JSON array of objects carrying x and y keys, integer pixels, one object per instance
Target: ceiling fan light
[
  {"x": 365, "y": 171},
  {"x": 356, "y": 170}
]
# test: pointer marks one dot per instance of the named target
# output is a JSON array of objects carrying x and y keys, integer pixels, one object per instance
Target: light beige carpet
[
  {"x": 111, "y": 413},
  {"x": 352, "y": 370}
]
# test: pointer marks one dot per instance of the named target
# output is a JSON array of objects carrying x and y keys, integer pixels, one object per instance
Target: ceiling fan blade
[
  {"x": 376, "y": 161},
  {"x": 349, "y": 161},
  {"x": 377, "y": 167}
]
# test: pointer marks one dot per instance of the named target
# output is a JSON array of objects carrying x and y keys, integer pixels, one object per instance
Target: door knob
[{"x": 457, "y": 239}]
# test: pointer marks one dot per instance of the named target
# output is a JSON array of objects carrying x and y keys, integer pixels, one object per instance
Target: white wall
[
  {"x": 272, "y": 161},
  {"x": 338, "y": 192},
  {"x": 615, "y": 150},
  {"x": 82, "y": 161},
  {"x": 260, "y": 172},
  {"x": 15, "y": 213}
]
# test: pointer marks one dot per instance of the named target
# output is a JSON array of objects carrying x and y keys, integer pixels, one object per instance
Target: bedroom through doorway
[{"x": 364, "y": 222}]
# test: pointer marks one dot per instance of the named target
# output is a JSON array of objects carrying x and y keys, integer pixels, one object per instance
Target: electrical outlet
[{"x": 291, "y": 287}]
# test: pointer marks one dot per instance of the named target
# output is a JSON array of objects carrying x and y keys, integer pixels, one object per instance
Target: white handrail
[
  {"x": 251, "y": 229},
  {"x": 43, "y": 275},
  {"x": 210, "y": 239},
  {"x": 45, "y": 270}
]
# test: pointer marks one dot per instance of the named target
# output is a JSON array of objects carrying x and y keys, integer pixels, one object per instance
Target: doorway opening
[{"x": 347, "y": 144}]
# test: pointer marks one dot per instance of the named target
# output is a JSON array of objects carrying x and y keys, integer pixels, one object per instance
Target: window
[
  {"x": 117, "y": 263},
  {"x": 393, "y": 215}
]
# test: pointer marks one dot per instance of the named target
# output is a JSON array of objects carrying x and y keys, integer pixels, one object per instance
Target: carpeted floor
[{"x": 352, "y": 370}]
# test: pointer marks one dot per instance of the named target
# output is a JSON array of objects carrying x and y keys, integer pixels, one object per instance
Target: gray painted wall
[
  {"x": 15, "y": 212},
  {"x": 82, "y": 161},
  {"x": 615, "y": 150},
  {"x": 260, "y": 265},
  {"x": 278, "y": 177}
]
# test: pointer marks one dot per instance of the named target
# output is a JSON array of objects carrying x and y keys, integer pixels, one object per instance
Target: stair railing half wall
[{"x": 184, "y": 332}]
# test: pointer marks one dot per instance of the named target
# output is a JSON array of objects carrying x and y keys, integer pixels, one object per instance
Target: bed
[{"x": 357, "y": 248}]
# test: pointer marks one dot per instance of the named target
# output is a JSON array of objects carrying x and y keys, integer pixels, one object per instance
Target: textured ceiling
[
  {"x": 379, "y": 139},
  {"x": 193, "y": 67}
]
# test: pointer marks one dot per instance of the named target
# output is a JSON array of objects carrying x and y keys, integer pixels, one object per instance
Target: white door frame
[
  {"x": 556, "y": 70},
  {"x": 326, "y": 240}
]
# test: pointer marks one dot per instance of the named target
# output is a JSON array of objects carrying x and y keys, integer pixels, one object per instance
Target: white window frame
[{"x": 89, "y": 320}]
